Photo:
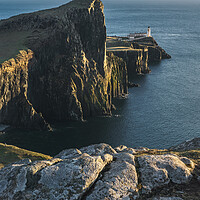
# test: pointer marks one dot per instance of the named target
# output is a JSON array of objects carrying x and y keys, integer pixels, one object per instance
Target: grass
[
  {"x": 79, "y": 3},
  {"x": 114, "y": 44},
  {"x": 11, "y": 43},
  {"x": 10, "y": 154},
  {"x": 118, "y": 43},
  {"x": 121, "y": 48},
  {"x": 194, "y": 155}
]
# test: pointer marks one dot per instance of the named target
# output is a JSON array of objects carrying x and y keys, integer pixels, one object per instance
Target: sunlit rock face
[
  {"x": 68, "y": 75},
  {"x": 95, "y": 172},
  {"x": 136, "y": 60},
  {"x": 137, "y": 54},
  {"x": 15, "y": 108},
  {"x": 159, "y": 170}
]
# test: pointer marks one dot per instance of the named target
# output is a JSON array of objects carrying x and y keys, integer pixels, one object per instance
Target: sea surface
[{"x": 161, "y": 113}]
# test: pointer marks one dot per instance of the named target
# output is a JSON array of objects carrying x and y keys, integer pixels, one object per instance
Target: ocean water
[{"x": 161, "y": 113}]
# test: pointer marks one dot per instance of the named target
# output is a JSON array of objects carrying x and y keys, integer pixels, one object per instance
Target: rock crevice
[{"x": 95, "y": 172}]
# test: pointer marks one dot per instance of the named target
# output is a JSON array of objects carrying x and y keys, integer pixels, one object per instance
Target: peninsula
[{"x": 55, "y": 65}]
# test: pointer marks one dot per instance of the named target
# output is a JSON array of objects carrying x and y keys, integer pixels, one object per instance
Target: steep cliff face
[
  {"x": 155, "y": 52},
  {"x": 137, "y": 54},
  {"x": 69, "y": 77},
  {"x": 119, "y": 75},
  {"x": 136, "y": 60},
  {"x": 15, "y": 108}
]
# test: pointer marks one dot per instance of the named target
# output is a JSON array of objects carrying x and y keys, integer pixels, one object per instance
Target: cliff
[
  {"x": 156, "y": 53},
  {"x": 15, "y": 108},
  {"x": 137, "y": 54},
  {"x": 63, "y": 72},
  {"x": 102, "y": 172},
  {"x": 136, "y": 59}
]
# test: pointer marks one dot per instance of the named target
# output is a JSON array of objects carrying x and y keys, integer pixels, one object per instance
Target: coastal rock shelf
[
  {"x": 101, "y": 172},
  {"x": 136, "y": 53},
  {"x": 62, "y": 70}
]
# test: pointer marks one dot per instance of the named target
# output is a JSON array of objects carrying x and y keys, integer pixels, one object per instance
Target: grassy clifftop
[
  {"x": 10, "y": 154},
  {"x": 11, "y": 43}
]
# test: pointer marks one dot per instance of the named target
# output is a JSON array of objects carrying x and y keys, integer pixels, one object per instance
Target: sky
[{"x": 106, "y": 1}]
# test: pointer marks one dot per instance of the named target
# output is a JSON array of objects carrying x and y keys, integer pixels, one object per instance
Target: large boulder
[
  {"x": 51, "y": 179},
  {"x": 159, "y": 170},
  {"x": 98, "y": 149},
  {"x": 119, "y": 182},
  {"x": 70, "y": 179},
  {"x": 18, "y": 177}
]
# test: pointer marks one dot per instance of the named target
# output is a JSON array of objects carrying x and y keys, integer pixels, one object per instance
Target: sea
[{"x": 163, "y": 111}]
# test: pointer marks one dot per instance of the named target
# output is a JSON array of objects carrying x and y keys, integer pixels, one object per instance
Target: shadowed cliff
[
  {"x": 137, "y": 54},
  {"x": 63, "y": 72}
]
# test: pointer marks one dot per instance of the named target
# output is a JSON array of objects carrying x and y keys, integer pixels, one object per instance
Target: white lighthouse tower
[{"x": 149, "y": 32}]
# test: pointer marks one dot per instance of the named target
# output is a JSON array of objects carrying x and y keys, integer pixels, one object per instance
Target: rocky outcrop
[
  {"x": 187, "y": 145},
  {"x": 15, "y": 108},
  {"x": 159, "y": 170},
  {"x": 65, "y": 74},
  {"x": 137, "y": 54},
  {"x": 119, "y": 75},
  {"x": 136, "y": 60},
  {"x": 155, "y": 52},
  {"x": 95, "y": 172},
  {"x": 119, "y": 181}
]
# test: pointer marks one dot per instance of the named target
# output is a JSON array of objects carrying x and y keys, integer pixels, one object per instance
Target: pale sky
[
  {"x": 59, "y": 2},
  {"x": 122, "y": 1}
]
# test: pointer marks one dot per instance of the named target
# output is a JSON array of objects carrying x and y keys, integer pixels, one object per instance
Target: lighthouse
[{"x": 149, "y": 32}]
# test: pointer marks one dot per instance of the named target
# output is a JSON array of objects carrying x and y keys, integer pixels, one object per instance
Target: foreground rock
[
  {"x": 119, "y": 181},
  {"x": 159, "y": 170},
  {"x": 95, "y": 172}
]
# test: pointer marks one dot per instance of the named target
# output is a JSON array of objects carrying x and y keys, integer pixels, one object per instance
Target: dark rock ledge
[{"x": 101, "y": 172}]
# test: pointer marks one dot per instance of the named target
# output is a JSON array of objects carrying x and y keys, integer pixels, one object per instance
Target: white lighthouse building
[
  {"x": 149, "y": 32},
  {"x": 137, "y": 36}
]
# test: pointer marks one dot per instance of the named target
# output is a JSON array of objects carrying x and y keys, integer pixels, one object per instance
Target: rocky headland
[
  {"x": 55, "y": 67},
  {"x": 102, "y": 172},
  {"x": 63, "y": 72},
  {"x": 137, "y": 54}
]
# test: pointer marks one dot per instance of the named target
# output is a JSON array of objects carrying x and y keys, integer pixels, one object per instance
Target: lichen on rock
[{"x": 95, "y": 172}]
